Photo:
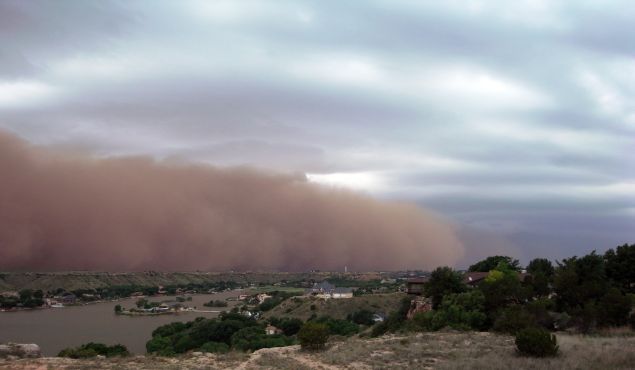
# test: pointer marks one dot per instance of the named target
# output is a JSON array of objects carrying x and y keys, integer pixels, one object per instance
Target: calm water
[{"x": 57, "y": 328}]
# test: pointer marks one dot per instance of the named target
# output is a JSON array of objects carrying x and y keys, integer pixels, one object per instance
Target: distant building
[
  {"x": 327, "y": 290},
  {"x": 474, "y": 278},
  {"x": 416, "y": 285},
  {"x": 271, "y": 330},
  {"x": 342, "y": 293}
]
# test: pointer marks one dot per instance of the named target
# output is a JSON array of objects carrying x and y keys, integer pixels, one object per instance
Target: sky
[{"x": 514, "y": 121}]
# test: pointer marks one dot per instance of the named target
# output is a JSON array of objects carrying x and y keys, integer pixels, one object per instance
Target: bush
[
  {"x": 536, "y": 342},
  {"x": 313, "y": 336},
  {"x": 513, "y": 319},
  {"x": 215, "y": 303},
  {"x": 362, "y": 317},
  {"x": 94, "y": 349},
  {"x": 215, "y": 347}
]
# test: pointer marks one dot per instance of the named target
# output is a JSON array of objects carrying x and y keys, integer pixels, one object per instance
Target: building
[
  {"x": 342, "y": 293},
  {"x": 416, "y": 285},
  {"x": 474, "y": 278},
  {"x": 327, "y": 290},
  {"x": 271, "y": 330}
]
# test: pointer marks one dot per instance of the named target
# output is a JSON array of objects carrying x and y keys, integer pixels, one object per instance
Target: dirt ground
[{"x": 441, "y": 350}]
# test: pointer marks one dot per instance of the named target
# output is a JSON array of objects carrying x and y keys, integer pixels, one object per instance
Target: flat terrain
[{"x": 441, "y": 350}]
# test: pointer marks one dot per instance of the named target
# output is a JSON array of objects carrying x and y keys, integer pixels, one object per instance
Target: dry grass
[
  {"x": 441, "y": 350},
  {"x": 336, "y": 308}
]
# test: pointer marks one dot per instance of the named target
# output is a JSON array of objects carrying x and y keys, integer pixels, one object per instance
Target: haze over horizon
[{"x": 510, "y": 125}]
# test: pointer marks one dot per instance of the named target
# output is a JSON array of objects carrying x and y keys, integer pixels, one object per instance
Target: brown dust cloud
[{"x": 62, "y": 211}]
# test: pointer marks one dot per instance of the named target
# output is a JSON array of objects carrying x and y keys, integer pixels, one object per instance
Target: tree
[
  {"x": 362, "y": 317},
  {"x": 501, "y": 287},
  {"x": 313, "y": 335},
  {"x": 462, "y": 311},
  {"x": 614, "y": 308},
  {"x": 141, "y": 302},
  {"x": 619, "y": 267},
  {"x": 443, "y": 281},
  {"x": 490, "y": 263},
  {"x": 541, "y": 266}
]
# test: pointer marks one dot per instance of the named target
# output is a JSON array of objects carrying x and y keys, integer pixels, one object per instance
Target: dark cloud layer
[
  {"x": 498, "y": 114},
  {"x": 70, "y": 211}
]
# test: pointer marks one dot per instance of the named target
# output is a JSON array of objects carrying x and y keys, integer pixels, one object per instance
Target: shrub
[
  {"x": 313, "y": 336},
  {"x": 94, "y": 349},
  {"x": 215, "y": 347},
  {"x": 158, "y": 344},
  {"x": 215, "y": 303},
  {"x": 362, "y": 317},
  {"x": 536, "y": 342},
  {"x": 513, "y": 319}
]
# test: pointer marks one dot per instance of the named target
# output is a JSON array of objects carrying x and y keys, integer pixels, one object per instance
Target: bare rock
[{"x": 17, "y": 350}]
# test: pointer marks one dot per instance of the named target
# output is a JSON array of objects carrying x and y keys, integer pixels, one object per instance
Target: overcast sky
[{"x": 515, "y": 120}]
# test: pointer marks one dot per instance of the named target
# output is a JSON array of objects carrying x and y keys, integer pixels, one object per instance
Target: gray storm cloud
[{"x": 69, "y": 211}]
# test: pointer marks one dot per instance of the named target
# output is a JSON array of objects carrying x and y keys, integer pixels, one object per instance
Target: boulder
[{"x": 10, "y": 350}]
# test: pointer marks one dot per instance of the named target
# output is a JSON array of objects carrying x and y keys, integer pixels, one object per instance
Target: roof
[
  {"x": 473, "y": 277},
  {"x": 418, "y": 280},
  {"x": 324, "y": 285},
  {"x": 342, "y": 290}
]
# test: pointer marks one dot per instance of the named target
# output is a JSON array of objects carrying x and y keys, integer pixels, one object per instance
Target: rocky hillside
[{"x": 440, "y": 350}]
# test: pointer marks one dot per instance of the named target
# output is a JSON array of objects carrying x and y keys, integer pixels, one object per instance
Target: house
[
  {"x": 263, "y": 297},
  {"x": 69, "y": 298},
  {"x": 474, "y": 278},
  {"x": 327, "y": 290},
  {"x": 271, "y": 330},
  {"x": 416, "y": 285},
  {"x": 342, "y": 293},
  {"x": 323, "y": 287}
]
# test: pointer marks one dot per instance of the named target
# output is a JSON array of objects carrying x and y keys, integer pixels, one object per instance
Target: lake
[{"x": 58, "y": 328}]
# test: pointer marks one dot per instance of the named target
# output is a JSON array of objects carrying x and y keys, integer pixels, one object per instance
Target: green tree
[
  {"x": 541, "y": 266},
  {"x": 619, "y": 267},
  {"x": 141, "y": 303},
  {"x": 614, "y": 308},
  {"x": 501, "y": 288},
  {"x": 490, "y": 263},
  {"x": 362, "y": 317},
  {"x": 313, "y": 335},
  {"x": 443, "y": 281},
  {"x": 462, "y": 311}
]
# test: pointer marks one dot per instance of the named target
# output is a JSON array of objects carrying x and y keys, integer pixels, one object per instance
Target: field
[
  {"x": 440, "y": 350},
  {"x": 303, "y": 308}
]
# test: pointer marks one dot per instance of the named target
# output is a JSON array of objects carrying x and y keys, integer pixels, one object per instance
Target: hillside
[
  {"x": 91, "y": 280},
  {"x": 301, "y": 308},
  {"x": 439, "y": 350}
]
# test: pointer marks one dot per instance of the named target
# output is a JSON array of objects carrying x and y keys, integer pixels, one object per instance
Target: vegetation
[
  {"x": 443, "y": 281},
  {"x": 578, "y": 293},
  {"x": 313, "y": 335},
  {"x": 277, "y": 297},
  {"x": 215, "y": 303},
  {"x": 26, "y": 298},
  {"x": 229, "y": 331},
  {"x": 536, "y": 342},
  {"x": 490, "y": 263},
  {"x": 95, "y": 349}
]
